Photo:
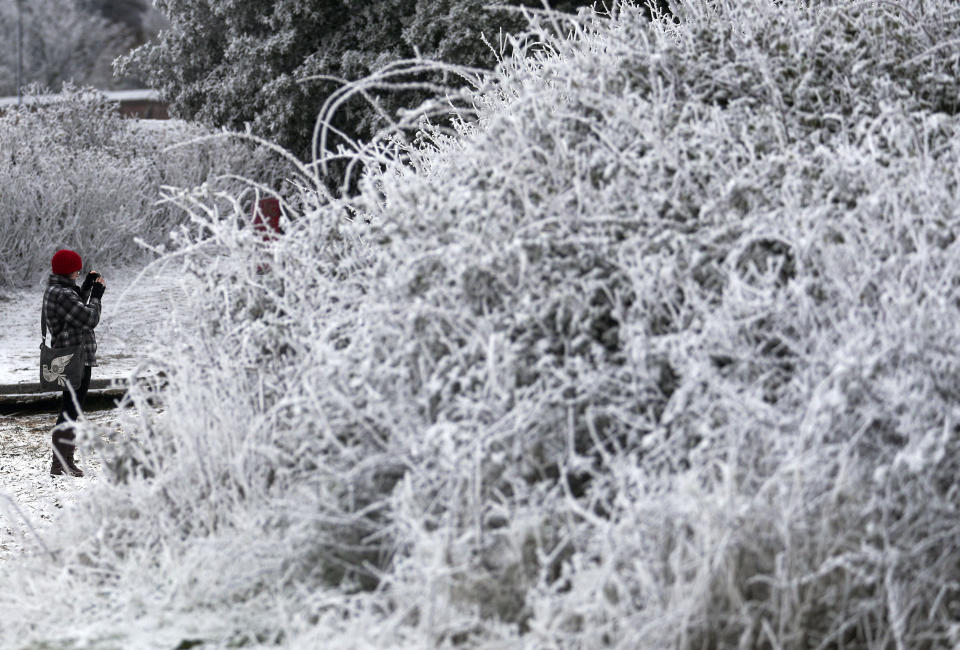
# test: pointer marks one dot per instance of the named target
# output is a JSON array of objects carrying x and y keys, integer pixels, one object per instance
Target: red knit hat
[{"x": 65, "y": 262}]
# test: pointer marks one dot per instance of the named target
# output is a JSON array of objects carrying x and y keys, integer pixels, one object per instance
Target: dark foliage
[{"x": 234, "y": 63}]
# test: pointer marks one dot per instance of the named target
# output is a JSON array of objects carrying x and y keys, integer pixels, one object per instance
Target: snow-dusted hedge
[
  {"x": 75, "y": 174},
  {"x": 659, "y": 350}
]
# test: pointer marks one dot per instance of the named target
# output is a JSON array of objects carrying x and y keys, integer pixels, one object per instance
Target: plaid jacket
[{"x": 71, "y": 316}]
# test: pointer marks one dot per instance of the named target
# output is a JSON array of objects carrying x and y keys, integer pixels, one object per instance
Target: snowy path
[{"x": 127, "y": 325}]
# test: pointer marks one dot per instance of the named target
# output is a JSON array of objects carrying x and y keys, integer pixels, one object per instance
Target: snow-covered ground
[
  {"x": 132, "y": 310},
  {"x": 134, "y": 306},
  {"x": 29, "y": 497}
]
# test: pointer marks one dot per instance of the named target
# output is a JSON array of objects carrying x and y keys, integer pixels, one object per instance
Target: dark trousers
[{"x": 70, "y": 409}]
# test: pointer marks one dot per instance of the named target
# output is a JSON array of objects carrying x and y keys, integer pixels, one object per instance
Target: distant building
[{"x": 145, "y": 104}]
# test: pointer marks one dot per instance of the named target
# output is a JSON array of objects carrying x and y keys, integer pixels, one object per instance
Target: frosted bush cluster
[
  {"x": 74, "y": 174},
  {"x": 62, "y": 41},
  {"x": 659, "y": 348}
]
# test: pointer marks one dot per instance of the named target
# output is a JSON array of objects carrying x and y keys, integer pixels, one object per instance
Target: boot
[
  {"x": 70, "y": 465},
  {"x": 63, "y": 450},
  {"x": 56, "y": 468}
]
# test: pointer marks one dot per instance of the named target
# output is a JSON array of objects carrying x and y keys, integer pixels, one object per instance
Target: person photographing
[{"x": 71, "y": 313}]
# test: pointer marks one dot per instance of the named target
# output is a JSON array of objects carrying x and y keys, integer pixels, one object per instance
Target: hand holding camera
[{"x": 96, "y": 282}]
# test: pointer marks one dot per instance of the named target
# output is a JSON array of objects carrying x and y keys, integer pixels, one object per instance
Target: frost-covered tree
[
  {"x": 62, "y": 41},
  {"x": 138, "y": 17},
  {"x": 271, "y": 65}
]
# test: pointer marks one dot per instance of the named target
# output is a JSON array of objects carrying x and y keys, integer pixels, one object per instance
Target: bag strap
[{"x": 43, "y": 321}]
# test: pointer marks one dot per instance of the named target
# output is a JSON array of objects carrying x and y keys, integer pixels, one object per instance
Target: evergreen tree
[{"x": 234, "y": 63}]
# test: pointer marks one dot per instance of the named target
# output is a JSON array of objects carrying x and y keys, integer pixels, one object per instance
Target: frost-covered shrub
[
  {"x": 643, "y": 355},
  {"x": 63, "y": 41},
  {"x": 74, "y": 174}
]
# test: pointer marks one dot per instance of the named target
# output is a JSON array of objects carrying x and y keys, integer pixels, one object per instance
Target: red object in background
[{"x": 266, "y": 218}]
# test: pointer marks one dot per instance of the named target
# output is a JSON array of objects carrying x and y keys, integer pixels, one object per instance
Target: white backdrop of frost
[{"x": 658, "y": 349}]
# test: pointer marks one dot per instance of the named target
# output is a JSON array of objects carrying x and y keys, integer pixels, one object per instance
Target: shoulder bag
[{"x": 59, "y": 366}]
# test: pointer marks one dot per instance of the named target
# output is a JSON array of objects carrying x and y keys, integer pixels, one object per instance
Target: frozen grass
[
  {"x": 29, "y": 497},
  {"x": 659, "y": 349}
]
